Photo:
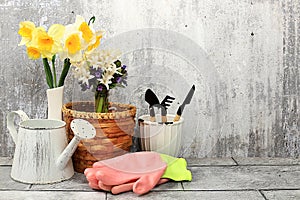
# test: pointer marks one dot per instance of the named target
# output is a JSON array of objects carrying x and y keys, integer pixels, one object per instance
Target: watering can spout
[
  {"x": 82, "y": 129},
  {"x": 65, "y": 156}
]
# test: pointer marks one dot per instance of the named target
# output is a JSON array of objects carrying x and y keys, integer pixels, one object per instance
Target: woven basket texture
[{"x": 114, "y": 132}]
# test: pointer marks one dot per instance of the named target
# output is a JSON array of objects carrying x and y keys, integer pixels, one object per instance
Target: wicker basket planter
[{"x": 114, "y": 132}]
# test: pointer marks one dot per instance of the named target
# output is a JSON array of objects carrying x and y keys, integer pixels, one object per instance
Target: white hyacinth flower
[
  {"x": 82, "y": 72},
  {"x": 106, "y": 80}
]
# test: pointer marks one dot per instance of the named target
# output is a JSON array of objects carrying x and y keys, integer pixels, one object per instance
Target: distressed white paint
[
  {"x": 39, "y": 144},
  {"x": 249, "y": 108},
  {"x": 82, "y": 129}
]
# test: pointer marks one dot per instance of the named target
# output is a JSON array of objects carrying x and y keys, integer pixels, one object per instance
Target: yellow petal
[
  {"x": 47, "y": 54},
  {"x": 25, "y": 30},
  {"x": 73, "y": 43},
  {"x": 99, "y": 35},
  {"x": 87, "y": 33},
  {"x": 56, "y": 31},
  {"x": 24, "y": 41},
  {"x": 45, "y": 42},
  {"x": 33, "y": 53},
  {"x": 36, "y": 32}
]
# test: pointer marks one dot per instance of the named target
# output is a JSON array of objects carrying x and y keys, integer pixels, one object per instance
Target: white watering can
[{"x": 42, "y": 153}]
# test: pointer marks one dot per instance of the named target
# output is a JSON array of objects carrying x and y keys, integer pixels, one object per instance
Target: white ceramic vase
[{"x": 55, "y": 102}]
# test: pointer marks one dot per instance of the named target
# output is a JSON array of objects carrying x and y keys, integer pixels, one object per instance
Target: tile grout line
[
  {"x": 240, "y": 190},
  {"x": 214, "y": 165},
  {"x": 164, "y": 190},
  {"x": 280, "y": 189},
  {"x": 268, "y": 165},
  {"x": 182, "y": 186},
  {"x": 262, "y": 194},
  {"x": 235, "y": 161}
]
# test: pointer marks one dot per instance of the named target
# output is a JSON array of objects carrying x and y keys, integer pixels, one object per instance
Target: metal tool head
[
  {"x": 151, "y": 98},
  {"x": 186, "y": 101},
  {"x": 166, "y": 103},
  {"x": 189, "y": 96}
]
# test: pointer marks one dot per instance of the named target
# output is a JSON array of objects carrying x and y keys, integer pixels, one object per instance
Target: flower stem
[
  {"x": 92, "y": 20},
  {"x": 100, "y": 105},
  {"x": 101, "y": 101},
  {"x": 97, "y": 98},
  {"x": 64, "y": 72},
  {"x": 54, "y": 71},
  {"x": 49, "y": 77}
]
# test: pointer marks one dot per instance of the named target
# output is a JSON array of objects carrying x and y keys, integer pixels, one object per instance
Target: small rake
[{"x": 164, "y": 106}]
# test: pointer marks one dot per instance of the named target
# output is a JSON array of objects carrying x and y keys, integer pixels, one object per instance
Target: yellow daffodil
[
  {"x": 77, "y": 45},
  {"x": 99, "y": 35},
  {"x": 88, "y": 33},
  {"x": 72, "y": 44},
  {"x": 48, "y": 44},
  {"x": 25, "y": 31},
  {"x": 79, "y": 38},
  {"x": 33, "y": 53}
]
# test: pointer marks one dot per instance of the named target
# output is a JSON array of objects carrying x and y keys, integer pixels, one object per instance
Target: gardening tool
[
  {"x": 152, "y": 100},
  {"x": 161, "y": 137},
  {"x": 186, "y": 101},
  {"x": 42, "y": 153},
  {"x": 164, "y": 106}
]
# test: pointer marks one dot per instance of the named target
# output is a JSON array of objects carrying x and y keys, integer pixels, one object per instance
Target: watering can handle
[{"x": 10, "y": 122}]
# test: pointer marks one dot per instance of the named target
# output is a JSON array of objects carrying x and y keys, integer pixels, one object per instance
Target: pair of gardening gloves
[{"x": 139, "y": 172}]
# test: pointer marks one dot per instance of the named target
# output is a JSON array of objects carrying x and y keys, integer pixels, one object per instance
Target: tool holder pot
[{"x": 161, "y": 137}]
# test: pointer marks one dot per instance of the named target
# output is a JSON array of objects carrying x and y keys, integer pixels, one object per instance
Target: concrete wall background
[{"x": 242, "y": 55}]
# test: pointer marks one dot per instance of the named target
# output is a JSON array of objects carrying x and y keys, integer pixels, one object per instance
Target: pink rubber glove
[
  {"x": 90, "y": 176},
  {"x": 142, "y": 169},
  {"x": 95, "y": 184},
  {"x": 130, "y": 186}
]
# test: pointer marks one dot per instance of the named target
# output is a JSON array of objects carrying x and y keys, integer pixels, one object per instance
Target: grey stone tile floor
[{"x": 213, "y": 179}]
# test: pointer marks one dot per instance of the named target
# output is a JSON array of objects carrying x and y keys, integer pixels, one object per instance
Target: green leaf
[
  {"x": 64, "y": 72},
  {"x": 49, "y": 77},
  {"x": 54, "y": 70}
]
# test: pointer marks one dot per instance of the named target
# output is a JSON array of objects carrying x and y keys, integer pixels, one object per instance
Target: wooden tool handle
[
  {"x": 164, "y": 118},
  {"x": 176, "y": 118},
  {"x": 152, "y": 119}
]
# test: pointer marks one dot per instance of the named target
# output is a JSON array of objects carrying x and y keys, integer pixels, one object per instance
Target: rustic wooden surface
[
  {"x": 213, "y": 179},
  {"x": 242, "y": 55}
]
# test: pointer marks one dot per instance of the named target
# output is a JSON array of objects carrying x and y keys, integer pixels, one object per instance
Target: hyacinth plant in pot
[
  {"x": 63, "y": 42},
  {"x": 99, "y": 71}
]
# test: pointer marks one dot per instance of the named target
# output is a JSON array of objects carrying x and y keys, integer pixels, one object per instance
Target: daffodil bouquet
[
  {"x": 76, "y": 44},
  {"x": 67, "y": 42}
]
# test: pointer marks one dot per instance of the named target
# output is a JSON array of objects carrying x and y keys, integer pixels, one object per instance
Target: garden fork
[{"x": 164, "y": 106}]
